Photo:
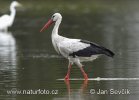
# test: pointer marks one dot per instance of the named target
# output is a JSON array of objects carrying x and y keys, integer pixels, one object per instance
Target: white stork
[
  {"x": 75, "y": 50},
  {"x": 7, "y": 20}
]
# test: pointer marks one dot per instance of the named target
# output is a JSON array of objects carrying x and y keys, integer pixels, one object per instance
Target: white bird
[
  {"x": 75, "y": 50},
  {"x": 7, "y": 20}
]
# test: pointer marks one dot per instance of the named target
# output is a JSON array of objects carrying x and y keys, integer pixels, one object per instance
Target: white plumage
[
  {"x": 7, "y": 20},
  {"x": 68, "y": 46},
  {"x": 75, "y": 50}
]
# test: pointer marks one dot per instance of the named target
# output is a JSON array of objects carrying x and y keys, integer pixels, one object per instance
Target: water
[{"x": 29, "y": 62}]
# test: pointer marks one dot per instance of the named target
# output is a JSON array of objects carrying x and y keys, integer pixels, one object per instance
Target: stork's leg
[
  {"x": 84, "y": 74},
  {"x": 81, "y": 68},
  {"x": 68, "y": 73}
]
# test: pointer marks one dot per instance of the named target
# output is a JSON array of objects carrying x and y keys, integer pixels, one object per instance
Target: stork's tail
[{"x": 108, "y": 52}]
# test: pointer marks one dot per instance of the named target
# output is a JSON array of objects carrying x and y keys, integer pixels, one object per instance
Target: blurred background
[{"x": 29, "y": 61}]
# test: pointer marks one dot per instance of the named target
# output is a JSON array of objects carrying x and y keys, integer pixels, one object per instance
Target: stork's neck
[
  {"x": 56, "y": 27},
  {"x": 13, "y": 12}
]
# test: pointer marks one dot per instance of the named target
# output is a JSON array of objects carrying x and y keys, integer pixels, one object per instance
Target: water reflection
[
  {"x": 75, "y": 94},
  {"x": 8, "y": 62},
  {"x": 7, "y": 51}
]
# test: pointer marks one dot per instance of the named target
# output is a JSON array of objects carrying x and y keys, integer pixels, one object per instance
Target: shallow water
[{"x": 29, "y": 62}]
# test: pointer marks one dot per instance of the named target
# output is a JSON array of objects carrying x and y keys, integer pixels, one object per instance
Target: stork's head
[
  {"x": 55, "y": 17},
  {"x": 15, "y": 4}
]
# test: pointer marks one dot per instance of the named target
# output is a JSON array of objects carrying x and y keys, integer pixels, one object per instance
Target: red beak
[{"x": 47, "y": 25}]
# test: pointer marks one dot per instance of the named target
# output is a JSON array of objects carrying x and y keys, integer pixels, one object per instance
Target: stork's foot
[
  {"x": 67, "y": 77},
  {"x": 85, "y": 76}
]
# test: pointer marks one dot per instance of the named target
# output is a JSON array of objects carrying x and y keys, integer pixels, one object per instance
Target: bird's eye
[{"x": 53, "y": 16}]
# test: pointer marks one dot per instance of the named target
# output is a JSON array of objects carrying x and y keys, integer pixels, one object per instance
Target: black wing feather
[{"x": 93, "y": 49}]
